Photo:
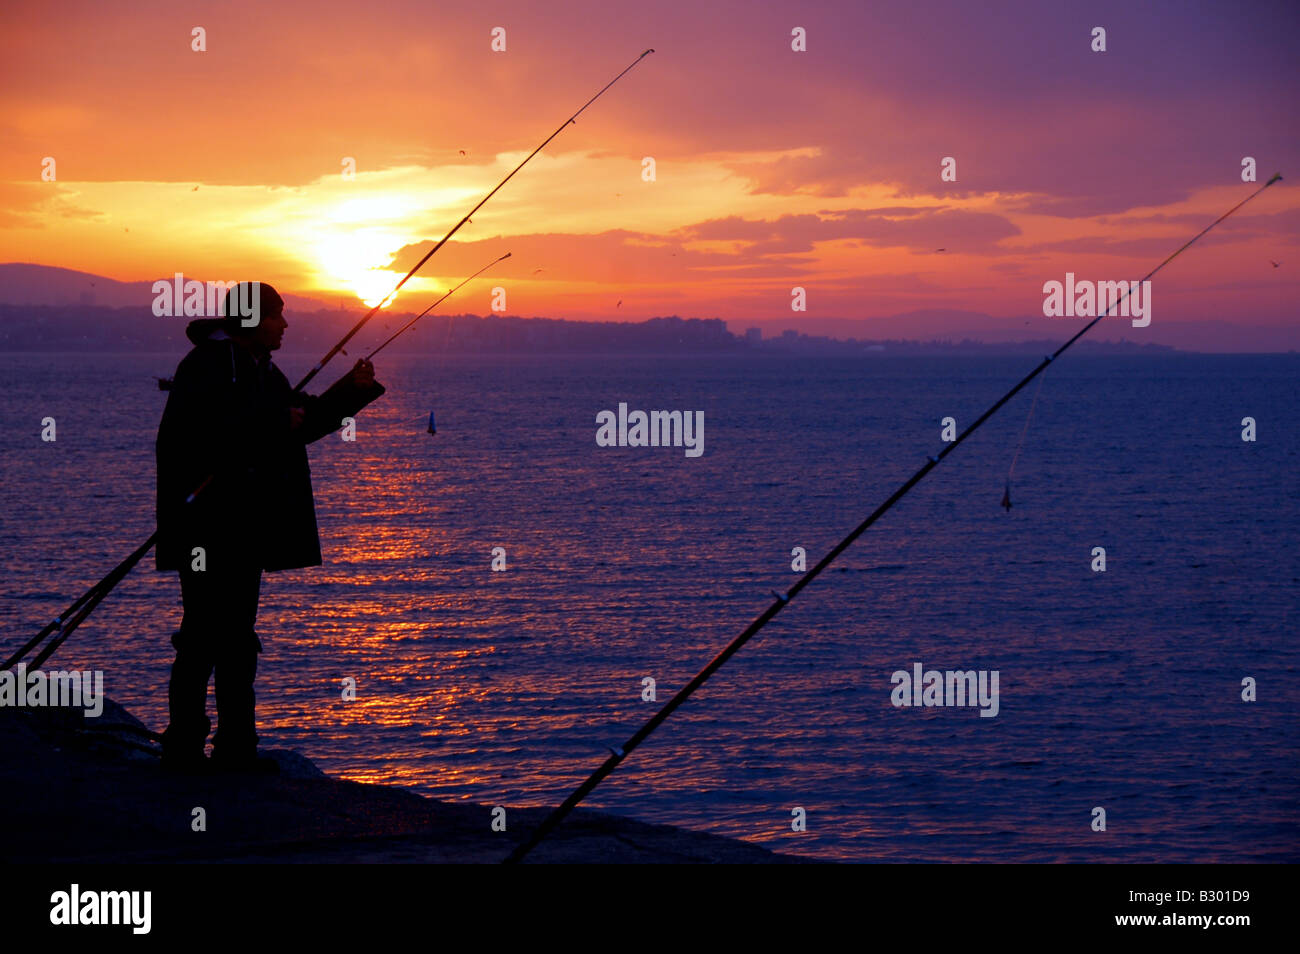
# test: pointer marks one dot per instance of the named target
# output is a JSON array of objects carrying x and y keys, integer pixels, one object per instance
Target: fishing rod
[
  {"x": 435, "y": 305},
  {"x": 86, "y": 603},
  {"x": 617, "y": 755},
  {"x": 71, "y": 618},
  {"x": 456, "y": 228}
]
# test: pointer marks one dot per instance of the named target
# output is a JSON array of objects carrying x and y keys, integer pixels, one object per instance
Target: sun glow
[{"x": 356, "y": 260}]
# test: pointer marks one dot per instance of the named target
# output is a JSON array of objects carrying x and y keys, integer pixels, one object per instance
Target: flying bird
[
  {"x": 536, "y": 270},
  {"x": 941, "y": 250},
  {"x": 1274, "y": 264},
  {"x": 195, "y": 189},
  {"x": 462, "y": 152},
  {"x": 620, "y": 301}
]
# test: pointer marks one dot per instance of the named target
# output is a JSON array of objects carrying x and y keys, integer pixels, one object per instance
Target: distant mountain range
[{"x": 58, "y": 309}]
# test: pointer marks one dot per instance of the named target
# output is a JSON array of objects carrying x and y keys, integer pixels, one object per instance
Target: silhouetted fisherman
[{"x": 232, "y": 414}]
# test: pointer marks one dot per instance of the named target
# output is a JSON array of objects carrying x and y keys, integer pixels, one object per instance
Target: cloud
[
  {"x": 919, "y": 229},
  {"x": 31, "y": 205}
]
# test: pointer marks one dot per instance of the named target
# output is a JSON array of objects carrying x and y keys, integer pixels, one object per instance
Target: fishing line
[
  {"x": 450, "y": 318},
  {"x": 1006, "y": 496}
]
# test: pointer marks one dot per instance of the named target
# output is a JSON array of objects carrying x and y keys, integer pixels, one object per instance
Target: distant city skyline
[{"x": 82, "y": 296}]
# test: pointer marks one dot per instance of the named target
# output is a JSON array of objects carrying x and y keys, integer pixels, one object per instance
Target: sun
[
  {"x": 357, "y": 260},
  {"x": 373, "y": 286}
]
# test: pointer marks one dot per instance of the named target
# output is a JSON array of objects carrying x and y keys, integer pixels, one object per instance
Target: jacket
[{"x": 227, "y": 416}]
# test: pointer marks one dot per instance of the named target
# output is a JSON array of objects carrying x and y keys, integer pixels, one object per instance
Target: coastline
[{"x": 93, "y": 791}]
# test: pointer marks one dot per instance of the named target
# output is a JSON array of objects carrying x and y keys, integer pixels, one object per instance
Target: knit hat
[{"x": 249, "y": 300}]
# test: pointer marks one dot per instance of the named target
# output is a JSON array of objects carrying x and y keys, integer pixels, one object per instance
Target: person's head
[{"x": 254, "y": 314}]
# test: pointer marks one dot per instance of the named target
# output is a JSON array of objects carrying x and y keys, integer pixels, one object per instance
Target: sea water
[{"x": 1119, "y": 690}]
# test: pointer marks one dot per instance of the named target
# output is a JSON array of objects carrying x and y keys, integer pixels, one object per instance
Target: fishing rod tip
[
  {"x": 1277, "y": 177},
  {"x": 647, "y": 52}
]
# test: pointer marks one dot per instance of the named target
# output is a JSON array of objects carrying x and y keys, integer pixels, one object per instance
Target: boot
[
  {"x": 186, "y": 735},
  {"x": 184, "y": 754}
]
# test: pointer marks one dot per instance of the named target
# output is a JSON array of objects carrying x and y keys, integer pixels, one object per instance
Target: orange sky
[{"x": 774, "y": 168}]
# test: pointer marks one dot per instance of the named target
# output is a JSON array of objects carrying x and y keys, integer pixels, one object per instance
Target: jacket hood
[{"x": 201, "y": 329}]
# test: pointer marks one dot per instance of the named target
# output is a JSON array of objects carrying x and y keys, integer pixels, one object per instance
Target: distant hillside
[{"x": 22, "y": 284}]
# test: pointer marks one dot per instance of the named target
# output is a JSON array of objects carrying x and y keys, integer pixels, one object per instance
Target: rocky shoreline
[{"x": 82, "y": 790}]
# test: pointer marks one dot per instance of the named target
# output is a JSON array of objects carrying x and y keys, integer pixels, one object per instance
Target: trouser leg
[
  {"x": 235, "y": 660},
  {"x": 187, "y": 692},
  {"x": 216, "y": 634}
]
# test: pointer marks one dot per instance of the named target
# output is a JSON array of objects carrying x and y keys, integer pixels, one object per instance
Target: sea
[{"x": 1146, "y": 712}]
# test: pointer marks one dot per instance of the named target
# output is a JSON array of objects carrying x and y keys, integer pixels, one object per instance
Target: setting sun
[{"x": 356, "y": 260}]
